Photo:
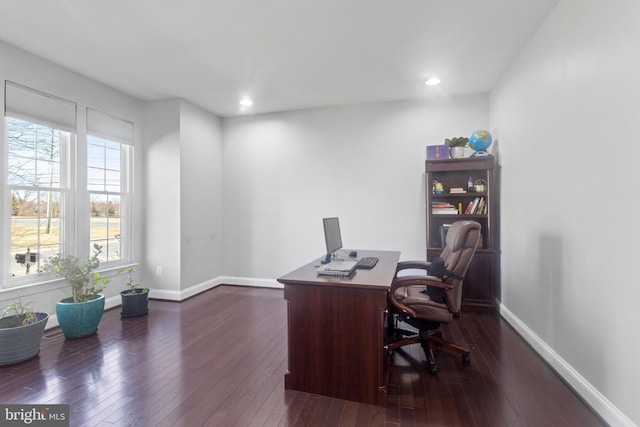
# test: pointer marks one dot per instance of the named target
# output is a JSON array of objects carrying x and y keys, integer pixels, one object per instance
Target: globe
[{"x": 480, "y": 140}]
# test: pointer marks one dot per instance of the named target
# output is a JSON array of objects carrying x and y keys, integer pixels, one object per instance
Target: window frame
[
  {"x": 75, "y": 235},
  {"x": 125, "y": 194},
  {"x": 67, "y": 233}
]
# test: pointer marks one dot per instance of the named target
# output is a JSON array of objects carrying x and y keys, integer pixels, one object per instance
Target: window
[
  {"x": 109, "y": 166},
  {"x": 60, "y": 194},
  {"x": 105, "y": 161},
  {"x": 35, "y": 185},
  {"x": 40, "y": 130}
]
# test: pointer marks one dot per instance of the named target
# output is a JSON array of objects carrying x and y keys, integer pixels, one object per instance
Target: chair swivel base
[{"x": 426, "y": 340}]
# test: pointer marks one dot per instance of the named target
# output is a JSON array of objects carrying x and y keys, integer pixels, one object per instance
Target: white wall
[
  {"x": 29, "y": 70},
  {"x": 162, "y": 198},
  {"x": 183, "y": 199},
  {"x": 565, "y": 115},
  {"x": 282, "y": 173},
  {"x": 200, "y": 195}
]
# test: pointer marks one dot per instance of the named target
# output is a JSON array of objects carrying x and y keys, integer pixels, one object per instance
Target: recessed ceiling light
[
  {"x": 246, "y": 102},
  {"x": 432, "y": 81}
]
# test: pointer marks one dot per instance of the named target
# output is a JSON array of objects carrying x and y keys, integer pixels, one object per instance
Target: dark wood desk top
[{"x": 379, "y": 276}]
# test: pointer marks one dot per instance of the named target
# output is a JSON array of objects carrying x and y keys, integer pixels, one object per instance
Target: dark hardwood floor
[{"x": 219, "y": 358}]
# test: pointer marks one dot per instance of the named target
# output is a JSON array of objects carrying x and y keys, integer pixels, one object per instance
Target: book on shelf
[
  {"x": 467, "y": 210},
  {"x": 473, "y": 205},
  {"x": 477, "y": 206},
  {"x": 481, "y": 206},
  {"x": 445, "y": 211},
  {"x": 443, "y": 208},
  {"x": 457, "y": 190}
]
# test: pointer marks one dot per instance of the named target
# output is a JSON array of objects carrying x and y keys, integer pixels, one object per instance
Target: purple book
[{"x": 435, "y": 152}]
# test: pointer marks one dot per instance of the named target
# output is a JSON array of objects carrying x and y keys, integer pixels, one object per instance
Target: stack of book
[
  {"x": 457, "y": 190},
  {"x": 477, "y": 206},
  {"x": 443, "y": 208}
]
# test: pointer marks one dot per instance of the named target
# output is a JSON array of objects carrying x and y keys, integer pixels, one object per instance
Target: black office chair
[{"x": 426, "y": 309}]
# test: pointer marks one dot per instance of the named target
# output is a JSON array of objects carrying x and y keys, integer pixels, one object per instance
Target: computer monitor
[{"x": 332, "y": 236}]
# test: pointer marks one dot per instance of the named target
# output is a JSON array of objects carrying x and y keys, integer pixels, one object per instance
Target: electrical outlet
[{"x": 159, "y": 270}]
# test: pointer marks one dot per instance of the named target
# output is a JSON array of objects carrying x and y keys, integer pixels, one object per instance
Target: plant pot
[
  {"x": 19, "y": 343},
  {"x": 135, "y": 304},
  {"x": 456, "y": 152},
  {"x": 80, "y": 319}
]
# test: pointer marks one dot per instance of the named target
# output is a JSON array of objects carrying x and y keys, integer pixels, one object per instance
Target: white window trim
[{"x": 75, "y": 235}]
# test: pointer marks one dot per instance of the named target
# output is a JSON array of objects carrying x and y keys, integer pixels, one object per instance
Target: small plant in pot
[
  {"x": 456, "y": 146},
  {"x": 135, "y": 300},
  {"x": 80, "y": 314},
  {"x": 21, "y": 331}
]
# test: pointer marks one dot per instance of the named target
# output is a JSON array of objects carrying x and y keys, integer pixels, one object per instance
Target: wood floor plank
[{"x": 219, "y": 359}]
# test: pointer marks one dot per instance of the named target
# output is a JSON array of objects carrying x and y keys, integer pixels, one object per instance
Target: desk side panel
[{"x": 336, "y": 341}]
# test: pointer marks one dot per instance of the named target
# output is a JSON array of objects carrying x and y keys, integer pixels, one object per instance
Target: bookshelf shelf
[{"x": 481, "y": 286}]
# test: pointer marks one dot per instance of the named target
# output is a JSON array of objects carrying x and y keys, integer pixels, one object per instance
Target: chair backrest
[{"x": 461, "y": 243}]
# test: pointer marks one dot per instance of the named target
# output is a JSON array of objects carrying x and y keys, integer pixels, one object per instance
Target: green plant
[
  {"x": 79, "y": 274},
  {"x": 459, "y": 141},
  {"x": 21, "y": 311},
  {"x": 132, "y": 286}
]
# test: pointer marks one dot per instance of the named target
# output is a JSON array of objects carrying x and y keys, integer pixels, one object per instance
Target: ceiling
[{"x": 284, "y": 54}]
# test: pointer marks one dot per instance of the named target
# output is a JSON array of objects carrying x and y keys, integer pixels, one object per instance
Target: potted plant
[
  {"x": 80, "y": 314},
  {"x": 135, "y": 300},
  {"x": 21, "y": 332},
  {"x": 456, "y": 146}
]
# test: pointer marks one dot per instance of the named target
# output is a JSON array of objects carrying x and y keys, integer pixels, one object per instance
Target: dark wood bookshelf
[{"x": 482, "y": 284}]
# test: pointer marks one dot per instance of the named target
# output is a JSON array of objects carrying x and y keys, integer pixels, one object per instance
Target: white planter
[{"x": 456, "y": 152}]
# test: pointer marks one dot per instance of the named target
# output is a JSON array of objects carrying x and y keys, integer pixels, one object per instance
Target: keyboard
[{"x": 367, "y": 262}]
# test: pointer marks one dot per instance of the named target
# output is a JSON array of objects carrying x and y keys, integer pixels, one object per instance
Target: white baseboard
[
  {"x": 609, "y": 412},
  {"x": 172, "y": 295},
  {"x": 251, "y": 281}
]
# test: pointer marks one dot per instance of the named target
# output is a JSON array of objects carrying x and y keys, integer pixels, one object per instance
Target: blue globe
[{"x": 480, "y": 140}]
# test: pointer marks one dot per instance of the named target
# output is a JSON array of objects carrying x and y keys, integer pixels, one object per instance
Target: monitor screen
[{"x": 332, "y": 236}]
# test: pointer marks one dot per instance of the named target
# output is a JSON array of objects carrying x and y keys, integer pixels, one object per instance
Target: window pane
[
  {"x": 98, "y": 205},
  {"x": 105, "y": 184},
  {"x": 104, "y": 160},
  {"x": 35, "y": 221},
  {"x": 114, "y": 206},
  {"x": 113, "y": 159},
  {"x": 112, "y": 183},
  {"x": 48, "y": 146},
  {"x": 49, "y": 215},
  {"x": 48, "y": 174},
  {"x": 24, "y": 233},
  {"x": 114, "y": 227},
  {"x": 113, "y": 249},
  {"x": 21, "y": 171},
  {"x": 99, "y": 228},
  {"x": 34, "y": 154},
  {"x": 95, "y": 156},
  {"x": 95, "y": 179}
]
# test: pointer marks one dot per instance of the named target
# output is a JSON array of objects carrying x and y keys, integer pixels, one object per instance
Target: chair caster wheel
[{"x": 466, "y": 359}]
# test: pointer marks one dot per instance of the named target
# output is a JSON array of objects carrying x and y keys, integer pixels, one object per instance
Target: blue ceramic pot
[{"x": 80, "y": 319}]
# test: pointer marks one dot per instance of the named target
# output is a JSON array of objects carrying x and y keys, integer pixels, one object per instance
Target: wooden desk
[{"x": 337, "y": 330}]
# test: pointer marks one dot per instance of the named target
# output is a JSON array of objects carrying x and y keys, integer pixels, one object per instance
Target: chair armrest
[
  {"x": 420, "y": 281},
  {"x": 418, "y": 265},
  {"x": 406, "y": 281}
]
